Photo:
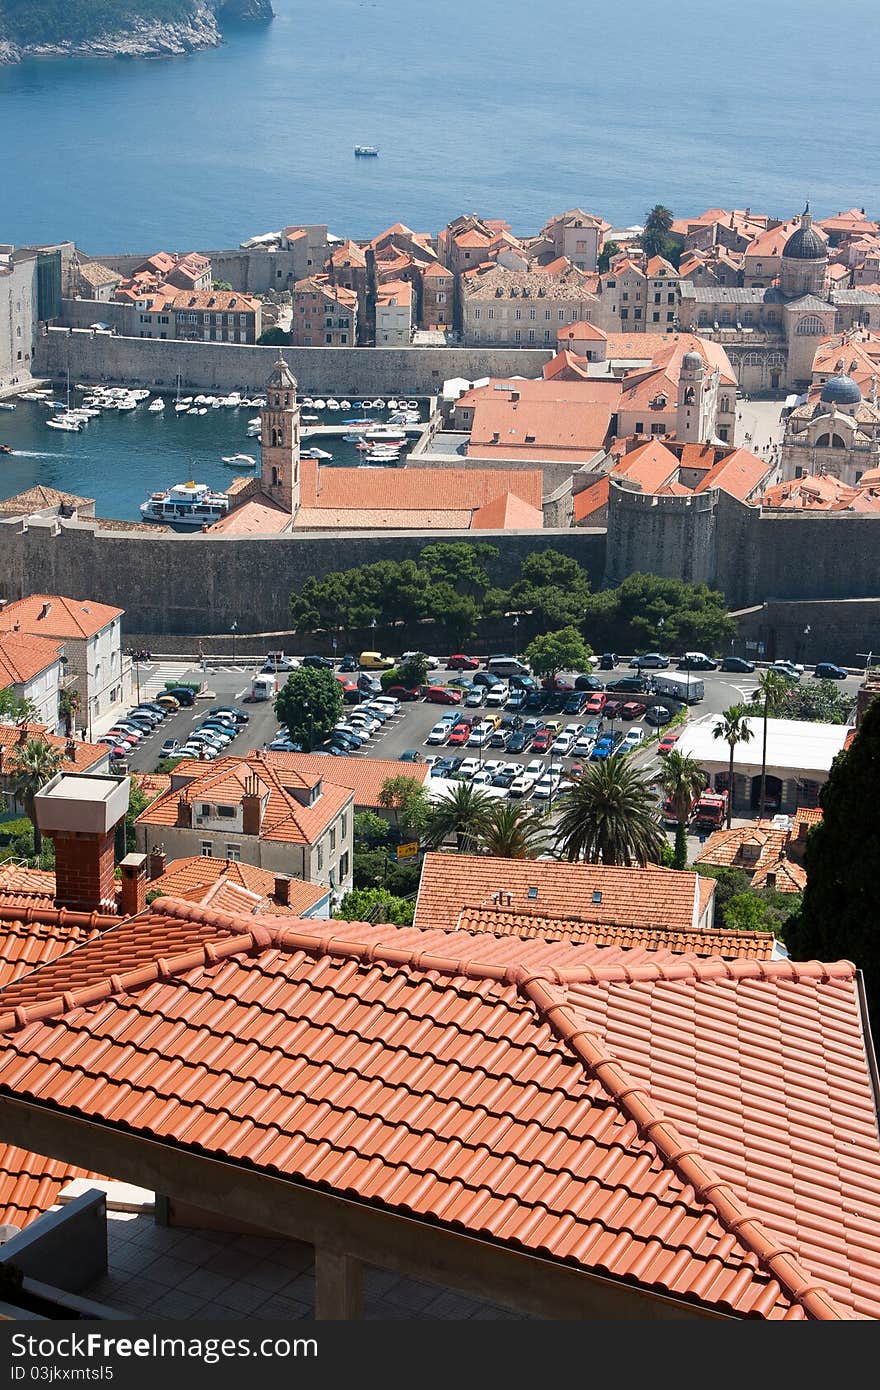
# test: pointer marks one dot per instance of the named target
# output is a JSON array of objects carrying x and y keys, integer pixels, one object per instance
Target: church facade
[{"x": 771, "y": 333}]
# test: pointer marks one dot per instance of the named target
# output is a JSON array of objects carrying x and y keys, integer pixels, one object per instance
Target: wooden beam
[
  {"x": 339, "y": 1286},
  {"x": 416, "y": 1248}
]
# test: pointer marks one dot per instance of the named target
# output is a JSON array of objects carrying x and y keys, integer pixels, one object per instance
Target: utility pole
[{"x": 869, "y": 657}]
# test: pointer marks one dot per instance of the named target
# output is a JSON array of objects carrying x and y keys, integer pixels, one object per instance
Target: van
[
  {"x": 264, "y": 687},
  {"x": 506, "y": 666},
  {"x": 375, "y": 661}
]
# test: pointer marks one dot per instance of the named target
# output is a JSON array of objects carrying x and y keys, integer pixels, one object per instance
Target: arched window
[
  {"x": 725, "y": 404},
  {"x": 689, "y": 396},
  {"x": 276, "y": 439},
  {"x": 276, "y": 477},
  {"x": 810, "y": 327},
  {"x": 830, "y": 441}
]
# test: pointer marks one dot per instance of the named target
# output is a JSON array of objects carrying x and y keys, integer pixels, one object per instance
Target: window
[
  {"x": 656, "y": 298},
  {"x": 328, "y": 337},
  {"x": 546, "y": 313},
  {"x": 517, "y": 335},
  {"x": 233, "y": 852},
  {"x": 562, "y": 316},
  {"x": 518, "y": 314},
  {"x": 670, "y": 299},
  {"x": 204, "y": 809},
  {"x": 625, "y": 296},
  {"x": 640, "y": 427},
  {"x": 342, "y": 826},
  {"x": 320, "y": 852},
  {"x": 207, "y": 849},
  {"x": 441, "y": 297},
  {"x": 658, "y": 429},
  {"x": 343, "y": 337},
  {"x": 490, "y": 313},
  {"x": 546, "y": 335},
  {"x": 655, "y": 318},
  {"x": 531, "y": 335},
  {"x": 670, "y": 317},
  {"x": 343, "y": 866},
  {"x": 638, "y": 313},
  {"x": 624, "y": 313},
  {"x": 531, "y": 313},
  {"x": 333, "y": 837},
  {"x": 226, "y": 811},
  {"x": 476, "y": 313},
  {"x": 612, "y": 284}
]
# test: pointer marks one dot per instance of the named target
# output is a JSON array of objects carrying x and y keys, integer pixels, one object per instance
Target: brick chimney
[
  {"x": 158, "y": 859},
  {"x": 251, "y": 807},
  {"x": 184, "y": 814},
  {"x": 133, "y": 892},
  {"x": 281, "y": 892},
  {"x": 80, "y": 814}
]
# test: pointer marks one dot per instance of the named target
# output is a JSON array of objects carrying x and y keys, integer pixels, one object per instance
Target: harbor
[{"x": 120, "y": 457}]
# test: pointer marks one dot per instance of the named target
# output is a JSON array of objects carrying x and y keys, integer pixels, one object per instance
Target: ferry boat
[{"x": 186, "y": 504}]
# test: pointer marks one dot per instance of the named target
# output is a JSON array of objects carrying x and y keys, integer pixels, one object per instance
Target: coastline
[{"x": 148, "y": 38}]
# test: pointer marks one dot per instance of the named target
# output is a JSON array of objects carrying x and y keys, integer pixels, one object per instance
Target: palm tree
[
  {"x": 463, "y": 814},
  {"x": 682, "y": 779},
  {"x": 733, "y": 727},
  {"x": 31, "y": 765},
  {"x": 771, "y": 688},
  {"x": 513, "y": 832},
  {"x": 609, "y": 816}
]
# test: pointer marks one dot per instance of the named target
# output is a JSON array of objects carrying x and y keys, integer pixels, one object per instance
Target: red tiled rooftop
[
  {"x": 78, "y": 756},
  {"x": 54, "y": 615},
  {"x": 677, "y": 1125},
  {"x": 415, "y": 489},
  {"x": 195, "y": 876},
  {"x": 22, "y": 657}
]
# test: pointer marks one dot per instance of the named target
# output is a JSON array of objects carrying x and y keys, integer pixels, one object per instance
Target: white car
[
  {"x": 563, "y": 743},
  {"x": 439, "y": 733},
  {"x": 470, "y": 767},
  {"x": 583, "y": 746},
  {"x": 634, "y": 739},
  {"x": 496, "y": 697},
  {"x": 388, "y": 702},
  {"x": 522, "y": 785},
  {"x": 482, "y": 779},
  {"x": 536, "y": 768},
  {"x": 434, "y": 662},
  {"x": 548, "y": 786},
  {"x": 365, "y": 722},
  {"x": 480, "y": 735}
]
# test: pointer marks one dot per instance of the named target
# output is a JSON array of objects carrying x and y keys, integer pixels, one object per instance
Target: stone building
[
  {"x": 324, "y": 313},
  {"x": 836, "y": 431},
  {"x": 523, "y": 308},
  {"x": 18, "y": 313}
]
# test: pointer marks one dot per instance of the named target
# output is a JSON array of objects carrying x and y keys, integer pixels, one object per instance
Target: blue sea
[{"x": 498, "y": 106}]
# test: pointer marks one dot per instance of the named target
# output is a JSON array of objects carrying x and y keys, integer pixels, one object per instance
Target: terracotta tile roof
[
  {"x": 759, "y": 849},
  {"x": 676, "y": 1126},
  {"x": 53, "y": 615},
  {"x": 636, "y": 945},
  {"x": 740, "y": 474},
  {"x": 567, "y": 366},
  {"x": 196, "y": 876},
  {"x": 364, "y": 777},
  {"x": 770, "y": 242},
  {"x": 25, "y": 882},
  {"x": 255, "y": 516},
  {"x": 658, "y": 267},
  {"x": 33, "y": 932},
  {"x": 22, "y": 656},
  {"x": 649, "y": 897},
  {"x": 812, "y": 492},
  {"x": 40, "y": 498},
  {"x": 590, "y": 500},
  {"x": 223, "y": 301},
  {"x": 854, "y": 222},
  {"x": 507, "y": 513},
  {"x": 85, "y": 756},
  {"x": 284, "y": 818},
  {"x": 650, "y": 465},
  {"x": 537, "y": 429},
  {"x": 415, "y": 489},
  {"x": 152, "y": 784},
  {"x": 394, "y": 293},
  {"x": 807, "y": 816},
  {"x": 30, "y": 1184},
  {"x": 96, "y": 274},
  {"x": 438, "y": 270},
  {"x": 782, "y": 874},
  {"x": 579, "y": 332},
  {"x": 384, "y": 518}
]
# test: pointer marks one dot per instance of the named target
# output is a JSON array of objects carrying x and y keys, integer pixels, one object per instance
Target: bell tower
[{"x": 279, "y": 439}]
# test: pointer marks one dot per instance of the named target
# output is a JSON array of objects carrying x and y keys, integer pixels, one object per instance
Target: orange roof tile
[
  {"x": 675, "y": 1125},
  {"x": 364, "y": 777},
  {"x": 650, "y": 465},
  {"x": 590, "y": 500},
  {"x": 383, "y": 518},
  {"x": 25, "y": 882},
  {"x": 257, "y": 515},
  {"x": 22, "y": 656},
  {"x": 53, "y": 615},
  {"x": 634, "y": 897},
  {"x": 32, "y": 931},
  {"x": 77, "y": 755},
  {"x": 30, "y": 1184},
  {"x": 579, "y": 332},
  {"x": 405, "y": 489},
  {"x": 197, "y": 875},
  {"x": 739, "y": 474},
  {"x": 538, "y": 429},
  {"x": 220, "y": 300},
  {"x": 566, "y": 366},
  {"x": 507, "y": 513}
]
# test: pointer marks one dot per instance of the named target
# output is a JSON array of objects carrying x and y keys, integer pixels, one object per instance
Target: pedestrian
[{"x": 82, "y": 733}]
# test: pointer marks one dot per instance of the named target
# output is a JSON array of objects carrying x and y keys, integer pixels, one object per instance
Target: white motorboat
[
  {"x": 345, "y": 405},
  {"x": 332, "y": 404},
  {"x": 156, "y": 405},
  {"x": 6, "y": 405},
  {"x": 319, "y": 404},
  {"x": 378, "y": 405},
  {"x": 240, "y": 460},
  {"x": 71, "y": 426},
  {"x": 140, "y": 395},
  {"x": 126, "y": 405},
  {"x": 193, "y": 410},
  {"x": 353, "y": 438},
  {"x": 203, "y": 410},
  {"x": 181, "y": 407},
  {"x": 312, "y": 452},
  {"x": 391, "y": 404},
  {"x": 386, "y": 433},
  {"x": 307, "y": 400},
  {"x": 186, "y": 504}
]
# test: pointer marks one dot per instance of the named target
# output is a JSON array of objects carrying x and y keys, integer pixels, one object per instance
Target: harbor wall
[
  {"x": 96, "y": 357},
  {"x": 202, "y": 584}
]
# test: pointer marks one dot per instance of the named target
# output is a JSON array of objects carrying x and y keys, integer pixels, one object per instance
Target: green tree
[
  {"x": 375, "y": 905},
  {"x": 820, "y": 702},
  {"x": 564, "y": 650},
  {"x": 606, "y": 256},
  {"x": 69, "y": 703},
  {"x": 408, "y": 801},
  {"x": 648, "y": 610},
  {"x": 308, "y": 705},
  {"x": 732, "y": 727},
  {"x": 682, "y": 779},
  {"x": 609, "y": 816},
  {"x": 458, "y": 613},
  {"x": 369, "y": 830},
  {"x": 168, "y": 764},
  {"x": 15, "y": 710},
  {"x": 29, "y": 767},
  {"x": 680, "y": 853},
  {"x": 463, "y": 814},
  {"x": 513, "y": 831},
  {"x": 745, "y": 912},
  {"x": 553, "y": 591},
  {"x": 413, "y": 671},
  {"x": 655, "y": 239},
  {"x": 771, "y": 691},
  {"x": 841, "y": 904},
  {"x": 464, "y": 566}
]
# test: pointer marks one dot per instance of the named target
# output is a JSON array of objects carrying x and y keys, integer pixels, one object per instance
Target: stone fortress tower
[{"x": 280, "y": 440}]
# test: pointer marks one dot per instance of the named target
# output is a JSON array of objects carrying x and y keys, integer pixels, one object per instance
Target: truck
[
  {"x": 680, "y": 688},
  {"x": 710, "y": 812},
  {"x": 264, "y": 686}
]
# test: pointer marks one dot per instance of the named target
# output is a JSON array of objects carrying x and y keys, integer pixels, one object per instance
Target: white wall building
[
  {"x": 799, "y": 758},
  {"x": 33, "y": 669}
]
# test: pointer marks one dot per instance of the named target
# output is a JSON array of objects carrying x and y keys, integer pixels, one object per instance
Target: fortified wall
[
  {"x": 169, "y": 583},
  {"x": 95, "y": 357}
]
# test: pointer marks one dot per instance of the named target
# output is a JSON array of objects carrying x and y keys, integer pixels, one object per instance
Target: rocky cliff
[{"x": 178, "y": 28}]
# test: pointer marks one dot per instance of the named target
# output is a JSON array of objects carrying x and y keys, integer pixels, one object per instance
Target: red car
[
  {"x": 596, "y": 703},
  {"x": 667, "y": 743},
  {"x": 460, "y": 662},
  {"x": 542, "y": 740},
  {"x": 440, "y": 695},
  {"x": 613, "y": 708},
  {"x": 404, "y": 692},
  {"x": 459, "y": 736},
  {"x": 556, "y": 683},
  {"x": 632, "y": 710}
]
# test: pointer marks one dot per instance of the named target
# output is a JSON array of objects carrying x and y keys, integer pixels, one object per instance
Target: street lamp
[
  {"x": 233, "y": 630},
  {"x": 515, "y": 626},
  {"x": 335, "y": 644}
]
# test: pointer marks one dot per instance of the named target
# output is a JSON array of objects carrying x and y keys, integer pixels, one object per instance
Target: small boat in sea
[
  {"x": 366, "y": 151},
  {"x": 156, "y": 405},
  {"x": 181, "y": 407},
  {"x": 194, "y": 410},
  {"x": 320, "y": 404},
  {"x": 308, "y": 419},
  {"x": 71, "y": 426},
  {"x": 240, "y": 460},
  {"x": 332, "y": 404},
  {"x": 203, "y": 410},
  {"x": 345, "y": 405},
  {"x": 314, "y": 453},
  {"x": 391, "y": 404},
  {"x": 185, "y": 504},
  {"x": 6, "y": 405},
  {"x": 5, "y": 448},
  {"x": 352, "y": 438}
]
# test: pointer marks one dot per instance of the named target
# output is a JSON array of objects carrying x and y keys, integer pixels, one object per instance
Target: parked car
[
  {"x": 516, "y": 700},
  {"x": 667, "y": 743},
  {"x": 828, "y": 671},
  {"x": 460, "y": 662},
  {"x": 542, "y": 740},
  {"x": 596, "y": 703},
  {"x": 168, "y": 702},
  {"x": 496, "y": 697},
  {"x": 588, "y": 682},
  {"x": 532, "y": 726},
  {"x": 634, "y": 739},
  {"x": 380, "y": 712},
  {"x": 505, "y": 776},
  {"x": 555, "y": 683},
  {"x": 612, "y": 708},
  {"x": 169, "y": 748},
  {"x": 183, "y": 694},
  {"x": 583, "y": 745},
  {"x": 404, "y": 692},
  {"x": 633, "y": 685},
  {"x": 486, "y": 678},
  {"x": 474, "y": 698},
  {"x": 575, "y": 702},
  {"x": 607, "y": 661},
  {"x": 459, "y": 736},
  {"x": 442, "y": 695},
  {"x": 439, "y": 734},
  {"x": 369, "y": 685},
  {"x": 563, "y": 743},
  {"x": 535, "y": 699},
  {"x": 360, "y": 719},
  {"x": 238, "y": 715},
  {"x": 433, "y": 661},
  {"x": 786, "y": 669},
  {"x": 442, "y": 767},
  {"x": 372, "y": 661},
  {"x": 657, "y": 714},
  {"x": 277, "y": 661},
  {"x": 411, "y": 755},
  {"x": 522, "y": 785},
  {"x": 349, "y": 662},
  {"x": 697, "y": 661},
  {"x": 547, "y": 787},
  {"x": 633, "y": 709},
  {"x": 499, "y": 738},
  {"x": 518, "y": 741},
  {"x": 480, "y": 735},
  {"x": 737, "y": 663},
  {"x": 650, "y": 661}
]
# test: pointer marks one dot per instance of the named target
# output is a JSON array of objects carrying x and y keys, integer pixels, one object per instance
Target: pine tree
[{"x": 841, "y": 906}]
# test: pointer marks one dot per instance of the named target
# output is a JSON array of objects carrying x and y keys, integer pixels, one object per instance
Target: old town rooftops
[
  {"x": 674, "y": 1125},
  {"x": 55, "y": 615}
]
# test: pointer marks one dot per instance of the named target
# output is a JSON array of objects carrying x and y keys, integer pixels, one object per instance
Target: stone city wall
[
  {"x": 103, "y": 357},
  {"x": 202, "y": 584}
]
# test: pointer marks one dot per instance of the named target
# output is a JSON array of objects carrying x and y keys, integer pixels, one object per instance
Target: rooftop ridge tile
[
  {"x": 38, "y": 911},
  {"x": 685, "y": 1160}
]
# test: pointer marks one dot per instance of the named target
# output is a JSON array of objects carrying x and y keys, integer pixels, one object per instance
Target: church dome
[
  {"x": 804, "y": 245},
  {"x": 692, "y": 362},
  {"x": 841, "y": 390}
]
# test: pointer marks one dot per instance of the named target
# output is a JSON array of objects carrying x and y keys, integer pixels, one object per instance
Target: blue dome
[
  {"x": 804, "y": 245},
  {"x": 841, "y": 390}
]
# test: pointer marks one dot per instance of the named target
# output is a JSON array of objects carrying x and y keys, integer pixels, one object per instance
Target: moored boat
[{"x": 185, "y": 504}]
